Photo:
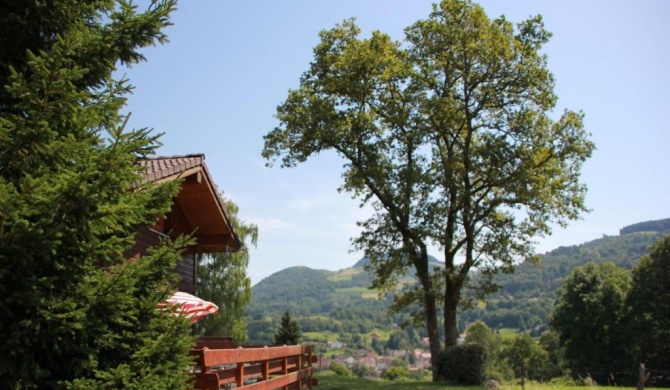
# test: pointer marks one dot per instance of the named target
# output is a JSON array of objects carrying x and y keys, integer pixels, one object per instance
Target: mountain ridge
[{"x": 524, "y": 300}]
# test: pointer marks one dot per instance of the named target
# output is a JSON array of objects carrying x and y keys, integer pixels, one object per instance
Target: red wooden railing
[{"x": 220, "y": 362}]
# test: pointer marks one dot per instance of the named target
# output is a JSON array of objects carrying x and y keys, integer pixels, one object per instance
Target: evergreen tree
[
  {"x": 222, "y": 279},
  {"x": 73, "y": 312},
  {"x": 288, "y": 332}
]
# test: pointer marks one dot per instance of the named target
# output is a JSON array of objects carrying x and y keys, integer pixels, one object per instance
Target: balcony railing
[{"x": 222, "y": 363}]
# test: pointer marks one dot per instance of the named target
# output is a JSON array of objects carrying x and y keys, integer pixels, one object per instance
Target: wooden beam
[
  {"x": 193, "y": 179},
  {"x": 207, "y": 381}
]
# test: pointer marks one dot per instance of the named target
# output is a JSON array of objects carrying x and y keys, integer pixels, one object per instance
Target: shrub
[
  {"x": 363, "y": 371},
  {"x": 463, "y": 364},
  {"x": 339, "y": 369},
  {"x": 396, "y": 373}
]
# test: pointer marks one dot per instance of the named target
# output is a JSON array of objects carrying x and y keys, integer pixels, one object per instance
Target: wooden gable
[
  {"x": 197, "y": 209},
  {"x": 198, "y": 205}
]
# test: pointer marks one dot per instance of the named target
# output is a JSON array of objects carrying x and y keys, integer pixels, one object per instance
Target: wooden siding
[
  {"x": 145, "y": 239},
  {"x": 148, "y": 237},
  {"x": 186, "y": 269}
]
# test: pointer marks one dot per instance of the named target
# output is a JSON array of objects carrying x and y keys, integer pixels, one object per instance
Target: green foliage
[
  {"x": 296, "y": 288},
  {"x": 481, "y": 334},
  {"x": 447, "y": 136},
  {"x": 363, "y": 371},
  {"x": 378, "y": 346},
  {"x": 464, "y": 364},
  {"x": 222, "y": 279},
  {"x": 530, "y": 292},
  {"x": 648, "y": 308},
  {"x": 339, "y": 369},
  {"x": 135, "y": 346},
  {"x": 322, "y": 300},
  {"x": 588, "y": 316},
  {"x": 660, "y": 226},
  {"x": 74, "y": 313},
  {"x": 396, "y": 373},
  {"x": 551, "y": 343},
  {"x": 398, "y": 340},
  {"x": 526, "y": 358},
  {"x": 288, "y": 332}
]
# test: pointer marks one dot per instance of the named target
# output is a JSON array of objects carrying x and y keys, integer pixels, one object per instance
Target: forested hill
[
  {"x": 660, "y": 226},
  {"x": 527, "y": 296},
  {"x": 525, "y": 300}
]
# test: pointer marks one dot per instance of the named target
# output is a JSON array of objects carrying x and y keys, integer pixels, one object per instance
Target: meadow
[{"x": 331, "y": 381}]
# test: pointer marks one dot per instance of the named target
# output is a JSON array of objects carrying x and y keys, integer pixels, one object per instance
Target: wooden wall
[{"x": 148, "y": 237}]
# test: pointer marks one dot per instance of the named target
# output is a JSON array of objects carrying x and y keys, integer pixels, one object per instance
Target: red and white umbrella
[{"x": 191, "y": 306}]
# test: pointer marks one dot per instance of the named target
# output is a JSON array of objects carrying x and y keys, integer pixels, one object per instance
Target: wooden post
[
  {"x": 265, "y": 370},
  {"x": 239, "y": 375},
  {"x": 298, "y": 364},
  {"x": 284, "y": 369}
]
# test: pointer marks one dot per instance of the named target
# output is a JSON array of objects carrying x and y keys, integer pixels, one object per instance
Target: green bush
[
  {"x": 339, "y": 369},
  {"x": 463, "y": 364},
  {"x": 363, "y": 371},
  {"x": 396, "y": 373}
]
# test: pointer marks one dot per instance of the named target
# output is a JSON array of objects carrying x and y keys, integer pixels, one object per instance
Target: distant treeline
[{"x": 661, "y": 226}]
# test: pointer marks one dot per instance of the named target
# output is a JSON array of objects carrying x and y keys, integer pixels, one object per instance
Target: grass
[
  {"x": 351, "y": 290},
  {"x": 330, "y": 381},
  {"x": 346, "y": 275},
  {"x": 363, "y": 292},
  {"x": 320, "y": 336}
]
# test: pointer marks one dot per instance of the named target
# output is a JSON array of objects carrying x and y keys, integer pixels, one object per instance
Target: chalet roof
[
  {"x": 165, "y": 167},
  {"x": 198, "y": 199}
]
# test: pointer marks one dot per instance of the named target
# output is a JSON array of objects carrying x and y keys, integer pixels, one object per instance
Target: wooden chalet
[{"x": 196, "y": 209}]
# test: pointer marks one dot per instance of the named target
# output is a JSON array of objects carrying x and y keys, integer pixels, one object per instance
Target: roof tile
[{"x": 161, "y": 167}]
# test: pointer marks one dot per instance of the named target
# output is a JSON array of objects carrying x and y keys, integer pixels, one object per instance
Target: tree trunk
[
  {"x": 433, "y": 334},
  {"x": 644, "y": 377},
  {"x": 430, "y": 308},
  {"x": 451, "y": 299}
]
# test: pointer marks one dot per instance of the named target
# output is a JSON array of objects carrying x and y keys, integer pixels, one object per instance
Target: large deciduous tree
[
  {"x": 648, "y": 305},
  {"x": 73, "y": 312},
  {"x": 588, "y": 317},
  {"x": 451, "y": 138},
  {"x": 222, "y": 279}
]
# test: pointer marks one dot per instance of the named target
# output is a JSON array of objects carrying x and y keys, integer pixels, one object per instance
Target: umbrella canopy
[{"x": 190, "y": 306}]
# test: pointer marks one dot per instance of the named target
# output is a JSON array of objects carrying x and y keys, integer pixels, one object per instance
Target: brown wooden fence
[{"x": 220, "y": 362}]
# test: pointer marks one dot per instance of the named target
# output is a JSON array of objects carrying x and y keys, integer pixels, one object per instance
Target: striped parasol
[{"x": 191, "y": 306}]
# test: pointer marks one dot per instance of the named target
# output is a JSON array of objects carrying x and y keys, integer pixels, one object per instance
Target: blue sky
[{"x": 214, "y": 88}]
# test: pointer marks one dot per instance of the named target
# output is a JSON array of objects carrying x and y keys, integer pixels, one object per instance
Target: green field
[
  {"x": 363, "y": 292},
  {"x": 330, "y": 381},
  {"x": 345, "y": 275}
]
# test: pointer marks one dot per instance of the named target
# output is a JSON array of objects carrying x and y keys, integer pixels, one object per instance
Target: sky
[{"x": 215, "y": 86}]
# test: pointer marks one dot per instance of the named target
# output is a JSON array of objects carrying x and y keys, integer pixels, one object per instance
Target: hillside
[
  {"x": 526, "y": 297},
  {"x": 306, "y": 291},
  {"x": 341, "y": 300}
]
